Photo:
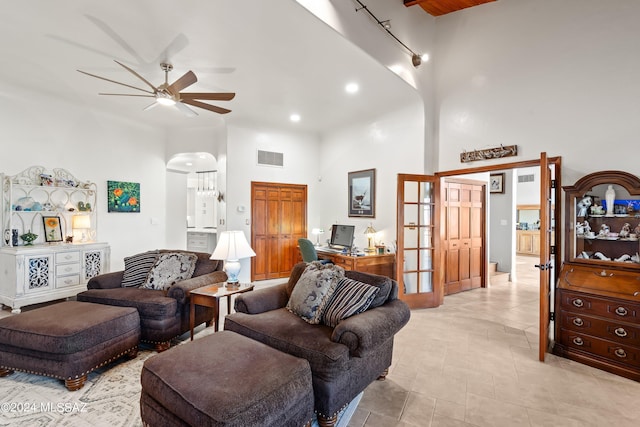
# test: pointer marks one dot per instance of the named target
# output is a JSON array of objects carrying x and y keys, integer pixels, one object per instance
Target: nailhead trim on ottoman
[
  {"x": 67, "y": 340},
  {"x": 229, "y": 380}
]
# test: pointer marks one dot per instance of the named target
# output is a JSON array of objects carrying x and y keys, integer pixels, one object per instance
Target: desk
[
  {"x": 383, "y": 265},
  {"x": 209, "y": 296}
]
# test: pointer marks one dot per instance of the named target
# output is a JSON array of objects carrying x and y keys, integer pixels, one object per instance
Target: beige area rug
[{"x": 109, "y": 398}]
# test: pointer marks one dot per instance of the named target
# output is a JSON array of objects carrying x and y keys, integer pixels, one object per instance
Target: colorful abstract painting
[{"x": 123, "y": 196}]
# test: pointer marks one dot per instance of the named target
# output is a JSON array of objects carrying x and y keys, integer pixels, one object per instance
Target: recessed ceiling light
[
  {"x": 189, "y": 164},
  {"x": 352, "y": 87},
  {"x": 294, "y": 117}
]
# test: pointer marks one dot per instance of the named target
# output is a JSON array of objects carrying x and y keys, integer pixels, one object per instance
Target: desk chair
[{"x": 308, "y": 251}]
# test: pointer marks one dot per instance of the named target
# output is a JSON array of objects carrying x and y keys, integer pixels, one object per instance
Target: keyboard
[{"x": 329, "y": 249}]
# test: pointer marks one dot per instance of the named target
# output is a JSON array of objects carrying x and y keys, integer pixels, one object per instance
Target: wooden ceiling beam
[{"x": 442, "y": 7}]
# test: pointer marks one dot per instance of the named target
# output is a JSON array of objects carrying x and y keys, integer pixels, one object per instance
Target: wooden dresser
[
  {"x": 597, "y": 299},
  {"x": 598, "y": 319}
]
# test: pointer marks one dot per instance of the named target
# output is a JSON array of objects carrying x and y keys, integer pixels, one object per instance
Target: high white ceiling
[{"x": 274, "y": 54}]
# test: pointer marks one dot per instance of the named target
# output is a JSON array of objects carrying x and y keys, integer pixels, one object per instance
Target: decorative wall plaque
[{"x": 489, "y": 153}]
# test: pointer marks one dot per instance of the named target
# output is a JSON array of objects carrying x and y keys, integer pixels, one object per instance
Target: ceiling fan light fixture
[{"x": 165, "y": 101}]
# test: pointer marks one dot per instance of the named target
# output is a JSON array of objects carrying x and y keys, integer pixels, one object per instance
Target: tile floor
[{"x": 474, "y": 362}]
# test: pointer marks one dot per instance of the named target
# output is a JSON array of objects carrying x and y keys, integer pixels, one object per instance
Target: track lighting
[{"x": 416, "y": 59}]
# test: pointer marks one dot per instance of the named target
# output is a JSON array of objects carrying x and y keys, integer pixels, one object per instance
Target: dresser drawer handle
[
  {"x": 621, "y": 311},
  {"x": 620, "y": 352},
  {"x": 578, "y": 341},
  {"x": 578, "y": 302},
  {"x": 578, "y": 321},
  {"x": 620, "y": 332}
]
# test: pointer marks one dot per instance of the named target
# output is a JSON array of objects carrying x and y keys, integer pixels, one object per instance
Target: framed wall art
[
  {"x": 496, "y": 183},
  {"x": 362, "y": 193},
  {"x": 52, "y": 228},
  {"x": 123, "y": 196}
]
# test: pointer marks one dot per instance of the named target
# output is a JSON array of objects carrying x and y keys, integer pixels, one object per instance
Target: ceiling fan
[{"x": 170, "y": 94}]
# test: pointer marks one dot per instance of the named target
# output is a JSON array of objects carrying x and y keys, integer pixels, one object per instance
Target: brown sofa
[
  {"x": 344, "y": 359},
  {"x": 164, "y": 315}
]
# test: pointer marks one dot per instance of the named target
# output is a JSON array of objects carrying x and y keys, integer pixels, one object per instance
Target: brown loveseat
[
  {"x": 164, "y": 314},
  {"x": 344, "y": 359}
]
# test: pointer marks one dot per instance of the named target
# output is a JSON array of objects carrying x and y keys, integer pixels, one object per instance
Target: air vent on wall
[
  {"x": 270, "y": 158},
  {"x": 526, "y": 178}
]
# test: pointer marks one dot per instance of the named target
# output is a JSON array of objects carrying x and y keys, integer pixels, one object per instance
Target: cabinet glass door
[{"x": 418, "y": 254}]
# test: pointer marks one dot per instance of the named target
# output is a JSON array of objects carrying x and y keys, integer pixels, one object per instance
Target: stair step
[
  {"x": 498, "y": 277},
  {"x": 493, "y": 267}
]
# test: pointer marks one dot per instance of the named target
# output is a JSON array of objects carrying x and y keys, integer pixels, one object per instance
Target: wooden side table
[{"x": 209, "y": 296}]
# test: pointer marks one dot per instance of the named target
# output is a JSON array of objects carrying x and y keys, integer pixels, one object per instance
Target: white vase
[{"x": 610, "y": 196}]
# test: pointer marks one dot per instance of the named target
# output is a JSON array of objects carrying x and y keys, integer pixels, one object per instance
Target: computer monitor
[{"x": 342, "y": 236}]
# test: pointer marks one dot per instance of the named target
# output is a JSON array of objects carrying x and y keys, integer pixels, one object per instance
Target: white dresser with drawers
[{"x": 41, "y": 273}]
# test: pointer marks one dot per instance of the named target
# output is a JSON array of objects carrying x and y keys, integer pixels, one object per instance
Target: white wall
[
  {"x": 38, "y": 130},
  {"x": 416, "y": 30},
  {"x": 389, "y": 144},
  {"x": 501, "y": 214},
  {"x": 547, "y": 75},
  {"x": 528, "y": 193},
  {"x": 301, "y": 166}
]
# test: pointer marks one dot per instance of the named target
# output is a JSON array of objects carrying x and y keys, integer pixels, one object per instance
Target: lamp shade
[
  {"x": 81, "y": 221},
  {"x": 232, "y": 245},
  {"x": 231, "y": 248}
]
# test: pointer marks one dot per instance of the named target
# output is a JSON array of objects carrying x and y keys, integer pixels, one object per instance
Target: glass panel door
[{"x": 417, "y": 229}]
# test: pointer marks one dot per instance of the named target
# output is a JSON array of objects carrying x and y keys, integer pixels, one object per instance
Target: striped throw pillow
[
  {"x": 137, "y": 267},
  {"x": 349, "y": 298}
]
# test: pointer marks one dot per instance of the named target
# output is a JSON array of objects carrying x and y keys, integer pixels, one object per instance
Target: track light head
[{"x": 416, "y": 60}]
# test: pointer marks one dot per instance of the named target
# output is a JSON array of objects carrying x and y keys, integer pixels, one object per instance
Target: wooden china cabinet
[{"x": 598, "y": 294}]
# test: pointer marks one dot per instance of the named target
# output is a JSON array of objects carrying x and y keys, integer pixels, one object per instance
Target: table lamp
[
  {"x": 81, "y": 222},
  {"x": 231, "y": 248},
  {"x": 371, "y": 234},
  {"x": 317, "y": 232}
]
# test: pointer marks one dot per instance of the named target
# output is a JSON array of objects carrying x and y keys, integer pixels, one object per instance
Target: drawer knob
[
  {"x": 578, "y": 302},
  {"x": 578, "y": 341},
  {"x": 578, "y": 321},
  {"x": 621, "y": 311},
  {"x": 620, "y": 352},
  {"x": 620, "y": 332}
]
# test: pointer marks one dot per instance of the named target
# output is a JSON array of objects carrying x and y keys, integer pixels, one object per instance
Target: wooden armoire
[
  {"x": 279, "y": 217},
  {"x": 463, "y": 214}
]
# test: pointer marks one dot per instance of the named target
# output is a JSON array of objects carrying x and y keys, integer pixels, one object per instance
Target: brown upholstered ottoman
[
  {"x": 228, "y": 380},
  {"x": 67, "y": 340}
]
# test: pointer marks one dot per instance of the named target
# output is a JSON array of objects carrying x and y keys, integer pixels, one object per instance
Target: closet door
[
  {"x": 464, "y": 224},
  {"x": 279, "y": 213}
]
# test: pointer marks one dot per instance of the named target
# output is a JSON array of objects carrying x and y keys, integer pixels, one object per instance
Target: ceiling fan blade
[
  {"x": 213, "y": 96},
  {"x": 137, "y": 75},
  {"x": 186, "y": 110},
  {"x": 126, "y": 94},
  {"x": 186, "y": 80},
  {"x": 150, "y": 106},
  {"x": 118, "y": 83},
  {"x": 199, "y": 104}
]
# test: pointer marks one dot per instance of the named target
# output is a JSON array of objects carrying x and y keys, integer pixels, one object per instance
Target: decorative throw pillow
[
  {"x": 170, "y": 268},
  {"x": 349, "y": 298},
  {"x": 137, "y": 267},
  {"x": 313, "y": 289}
]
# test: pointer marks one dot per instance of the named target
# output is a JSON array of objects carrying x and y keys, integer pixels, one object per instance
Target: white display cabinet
[{"x": 53, "y": 266}]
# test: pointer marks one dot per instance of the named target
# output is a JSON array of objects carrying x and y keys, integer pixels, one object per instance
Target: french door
[
  {"x": 418, "y": 262},
  {"x": 549, "y": 241}
]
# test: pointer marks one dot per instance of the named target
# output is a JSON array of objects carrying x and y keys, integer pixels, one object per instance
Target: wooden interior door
[
  {"x": 279, "y": 218},
  {"x": 463, "y": 207},
  {"x": 418, "y": 259},
  {"x": 549, "y": 200}
]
